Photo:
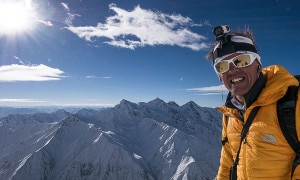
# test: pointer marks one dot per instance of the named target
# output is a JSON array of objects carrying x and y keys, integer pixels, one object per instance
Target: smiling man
[{"x": 254, "y": 146}]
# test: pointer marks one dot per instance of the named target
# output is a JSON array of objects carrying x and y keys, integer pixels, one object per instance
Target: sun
[{"x": 16, "y": 17}]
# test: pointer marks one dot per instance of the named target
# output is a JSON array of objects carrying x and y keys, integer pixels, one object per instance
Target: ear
[
  {"x": 220, "y": 78},
  {"x": 258, "y": 68}
]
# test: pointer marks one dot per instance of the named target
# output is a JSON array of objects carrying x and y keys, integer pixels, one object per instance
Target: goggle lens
[{"x": 239, "y": 61}]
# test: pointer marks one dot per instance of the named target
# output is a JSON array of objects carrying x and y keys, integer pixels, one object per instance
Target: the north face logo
[{"x": 268, "y": 138}]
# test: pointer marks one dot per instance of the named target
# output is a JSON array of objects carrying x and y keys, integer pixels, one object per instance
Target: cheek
[
  {"x": 252, "y": 80},
  {"x": 252, "y": 75},
  {"x": 225, "y": 81}
]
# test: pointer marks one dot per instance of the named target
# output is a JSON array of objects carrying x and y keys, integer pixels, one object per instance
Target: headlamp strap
[{"x": 230, "y": 47}]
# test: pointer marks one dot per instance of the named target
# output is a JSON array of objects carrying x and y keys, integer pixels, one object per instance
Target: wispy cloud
[
  {"x": 16, "y": 72},
  {"x": 18, "y": 60},
  {"x": 98, "y": 77},
  {"x": 21, "y": 100},
  {"x": 211, "y": 90},
  {"x": 66, "y": 7},
  {"x": 46, "y": 23},
  {"x": 71, "y": 16},
  {"x": 142, "y": 27},
  {"x": 85, "y": 105}
]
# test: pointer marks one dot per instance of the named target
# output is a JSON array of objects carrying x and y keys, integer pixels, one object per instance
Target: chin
[{"x": 237, "y": 92}]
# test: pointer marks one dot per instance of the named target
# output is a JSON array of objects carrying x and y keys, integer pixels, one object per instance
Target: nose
[{"x": 232, "y": 67}]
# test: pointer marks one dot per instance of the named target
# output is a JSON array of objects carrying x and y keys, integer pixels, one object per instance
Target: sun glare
[{"x": 16, "y": 17}]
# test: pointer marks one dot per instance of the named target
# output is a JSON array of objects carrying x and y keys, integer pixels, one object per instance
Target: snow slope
[{"x": 154, "y": 140}]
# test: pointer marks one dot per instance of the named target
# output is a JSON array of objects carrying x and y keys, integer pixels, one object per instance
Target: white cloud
[
  {"x": 211, "y": 90},
  {"x": 70, "y": 18},
  {"x": 66, "y": 7},
  {"x": 98, "y": 77},
  {"x": 21, "y": 100},
  {"x": 141, "y": 27},
  {"x": 46, "y": 23},
  {"x": 18, "y": 59},
  {"x": 85, "y": 105},
  {"x": 15, "y": 72}
]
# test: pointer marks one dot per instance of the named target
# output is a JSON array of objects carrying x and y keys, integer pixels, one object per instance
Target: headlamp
[
  {"x": 228, "y": 44},
  {"x": 220, "y": 31}
]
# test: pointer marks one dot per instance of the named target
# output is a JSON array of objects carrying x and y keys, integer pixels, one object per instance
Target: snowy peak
[
  {"x": 173, "y": 104},
  {"x": 191, "y": 104},
  {"x": 157, "y": 103},
  {"x": 126, "y": 105},
  {"x": 81, "y": 150},
  {"x": 154, "y": 140}
]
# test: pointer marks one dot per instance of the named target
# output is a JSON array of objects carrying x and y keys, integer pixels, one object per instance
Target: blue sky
[{"x": 98, "y": 52}]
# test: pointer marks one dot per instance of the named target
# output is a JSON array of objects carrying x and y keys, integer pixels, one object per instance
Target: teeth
[{"x": 236, "y": 80}]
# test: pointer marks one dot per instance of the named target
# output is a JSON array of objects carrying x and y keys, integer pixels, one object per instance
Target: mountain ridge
[{"x": 154, "y": 140}]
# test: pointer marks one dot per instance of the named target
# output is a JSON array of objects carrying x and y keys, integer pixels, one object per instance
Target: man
[{"x": 264, "y": 153}]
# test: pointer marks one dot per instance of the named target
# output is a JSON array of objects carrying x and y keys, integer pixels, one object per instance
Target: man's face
[{"x": 240, "y": 80}]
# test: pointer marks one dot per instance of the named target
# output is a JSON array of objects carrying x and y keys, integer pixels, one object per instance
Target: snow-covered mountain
[
  {"x": 5, "y": 111},
  {"x": 154, "y": 140}
]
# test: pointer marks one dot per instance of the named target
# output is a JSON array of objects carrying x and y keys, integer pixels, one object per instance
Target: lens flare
[{"x": 16, "y": 17}]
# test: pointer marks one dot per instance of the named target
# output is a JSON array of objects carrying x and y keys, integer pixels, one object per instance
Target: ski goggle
[{"x": 240, "y": 61}]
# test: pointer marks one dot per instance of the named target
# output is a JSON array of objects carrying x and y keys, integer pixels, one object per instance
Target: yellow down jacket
[{"x": 265, "y": 153}]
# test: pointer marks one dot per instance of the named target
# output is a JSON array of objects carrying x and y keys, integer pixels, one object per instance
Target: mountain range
[{"x": 153, "y": 140}]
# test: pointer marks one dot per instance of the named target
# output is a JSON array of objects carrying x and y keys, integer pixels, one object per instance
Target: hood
[{"x": 278, "y": 81}]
